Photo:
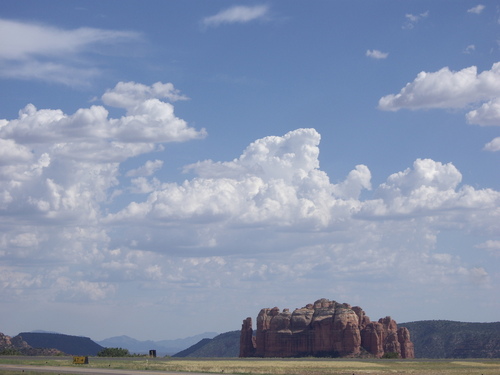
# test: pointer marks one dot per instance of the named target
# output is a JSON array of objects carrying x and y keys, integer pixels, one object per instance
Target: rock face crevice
[{"x": 323, "y": 329}]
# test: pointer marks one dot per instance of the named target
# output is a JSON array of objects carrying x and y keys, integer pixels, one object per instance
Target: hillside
[
  {"x": 224, "y": 345},
  {"x": 449, "y": 339},
  {"x": 73, "y": 345},
  {"x": 192, "y": 349}
]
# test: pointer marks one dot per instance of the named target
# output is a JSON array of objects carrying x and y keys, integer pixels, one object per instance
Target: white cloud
[
  {"x": 147, "y": 169},
  {"x": 60, "y": 72},
  {"x": 425, "y": 172},
  {"x": 431, "y": 188},
  {"x": 37, "y": 51},
  {"x": 271, "y": 157},
  {"x": 449, "y": 89},
  {"x": 494, "y": 145},
  {"x": 90, "y": 129},
  {"x": 445, "y": 89},
  {"x": 82, "y": 290},
  {"x": 237, "y": 14},
  {"x": 154, "y": 121},
  {"x": 492, "y": 246},
  {"x": 12, "y": 153},
  {"x": 23, "y": 40},
  {"x": 376, "y": 54},
  {"x": 413, "y": 19},
  {"x": 477, "y": 9},
  {"x": 275, "y": 180},
  {"x": 142, "y": 185},
  {"x": 357, "y": 180},
  {"x": 60, "y": 166},
  {"x": 270, "y": 218},
  {"x": 487, "y": 114},
  {"x": 469, "y": 49},
  {"x": 130, "y": 94}
]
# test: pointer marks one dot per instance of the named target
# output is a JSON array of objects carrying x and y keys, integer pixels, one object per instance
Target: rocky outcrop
[
  {"x": 325, "y": 328},
  {"x": 13, "y": 344},
  {"x": 407, "y": 350},
  {"x": 16, "y": 345},
  {"x": 247, "y": 340}
]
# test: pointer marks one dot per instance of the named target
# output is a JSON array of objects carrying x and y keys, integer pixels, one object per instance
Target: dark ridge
[
  {"x": 450, "y": 339},
  {"x": 192, "y": 349},
  {"x": 72, "y": 345},
  {"x": 225, "y": 345}
]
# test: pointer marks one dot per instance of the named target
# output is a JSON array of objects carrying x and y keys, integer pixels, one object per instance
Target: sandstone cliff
[{"x": 325, "y": 328}]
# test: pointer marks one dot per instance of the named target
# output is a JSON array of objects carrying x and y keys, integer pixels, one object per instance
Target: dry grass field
[
  {"x": 331, "y": 367},
  {"x": 288, "y": 367}
]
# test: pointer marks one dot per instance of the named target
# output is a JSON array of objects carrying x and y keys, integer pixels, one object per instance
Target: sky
[{"x": 169, "y": 168}]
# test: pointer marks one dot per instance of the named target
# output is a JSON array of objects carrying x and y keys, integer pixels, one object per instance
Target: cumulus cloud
[
  {"x": 376, "y": 54},
  {"x": 494, "y": 145},
  {"x": 147, "y": 121},
  {"x": 425, "y": 172},
  {"x": 276, "y": 180},
  {"x": 268, "y": 218},
  {"x": 237, "y": 14},
  {"x": 478, "y": 9},
  {"x": 37, "y": 51},
  {"x": 130, "y": 94},
  {"x": 445, "y": 89},
  {"x": 486, "y": 115},
  {"x": 449, "y": 89},
  {"x": 357, "y": 180},
  {"x": 51, "y": 160},
  {"x": 146, "y": 170},
  {"x": 270, "y": 157},
  {"x": 12, "y": 153},
  {"x": 429, "y": 188}
]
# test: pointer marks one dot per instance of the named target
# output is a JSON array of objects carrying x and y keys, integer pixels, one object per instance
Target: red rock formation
[
  {"x": 325, "y": 328},
  {"x": 247, "y": 341},
  {"x": 372, "y": 337},
  {"x": 407, "y": 349}
]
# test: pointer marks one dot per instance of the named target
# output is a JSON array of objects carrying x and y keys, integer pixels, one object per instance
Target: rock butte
[{"x": 323, "y": 329}]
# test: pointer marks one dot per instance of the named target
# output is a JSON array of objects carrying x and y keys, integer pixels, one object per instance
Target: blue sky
[{"x": 171, "y": 167}]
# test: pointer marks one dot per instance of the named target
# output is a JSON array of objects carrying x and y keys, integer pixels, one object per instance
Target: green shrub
[
  {"x": 10, "y": 351},
  {"x": 390, "y": 355},
  {"x": 114, "y": 352}
]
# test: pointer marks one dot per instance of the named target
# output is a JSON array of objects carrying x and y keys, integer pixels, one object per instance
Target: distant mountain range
[
  {"x": 163, "y": 347},
  {"x": 432, "y": 339}
]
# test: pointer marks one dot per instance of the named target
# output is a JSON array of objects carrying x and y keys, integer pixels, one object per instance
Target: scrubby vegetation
[
  {"x": 10, "y": 351},
  {"x": 114, "y": 352},
  {"x": 449, "y": 339}
]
